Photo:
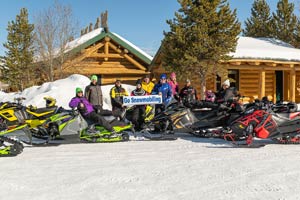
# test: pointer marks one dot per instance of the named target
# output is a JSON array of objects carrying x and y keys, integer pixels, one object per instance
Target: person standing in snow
[
  {"x": 139, "y": 110},
  {"x": 174, "y": 85},
  {"x": 164, "y": 89},
  {"x": 116, "y": 95},
  {"x": 87, "y": 111},
  {"x": 93, "y": 94},
  {"x": 147, "y": 85}
]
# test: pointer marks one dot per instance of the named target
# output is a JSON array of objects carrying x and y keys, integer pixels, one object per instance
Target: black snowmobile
[
  {"x": 214, "y": 117},
  {"x": 164, "y": 125}
]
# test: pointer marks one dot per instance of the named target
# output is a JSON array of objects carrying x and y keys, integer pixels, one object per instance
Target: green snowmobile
[{"x": 70, "y": 125}]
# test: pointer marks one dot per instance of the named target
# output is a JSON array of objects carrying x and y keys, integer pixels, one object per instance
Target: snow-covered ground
[{"x": 188, "y": 168}]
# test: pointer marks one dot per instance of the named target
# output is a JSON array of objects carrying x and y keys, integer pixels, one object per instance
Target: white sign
[{"x": 142, "y": 100}]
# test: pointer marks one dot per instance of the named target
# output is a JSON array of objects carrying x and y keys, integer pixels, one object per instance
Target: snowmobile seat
[
  {"x": 43, "y": 110},
  {"x": 109, "y": 118},
  {"x": 281, "y": 118}
]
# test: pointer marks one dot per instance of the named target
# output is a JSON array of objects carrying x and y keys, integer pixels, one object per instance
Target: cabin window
[{"x": 233, "y": 75}]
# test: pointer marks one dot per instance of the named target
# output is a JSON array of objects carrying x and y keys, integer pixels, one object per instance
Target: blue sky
[{"x": 142, "y": 22}]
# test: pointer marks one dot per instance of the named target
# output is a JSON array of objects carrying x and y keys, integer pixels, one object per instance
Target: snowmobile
[
  {"x": 32, "y": 116},
  {"x": 11, "y": 146},
  {"x": 175, "y": 118},
  {"x": 214, "y": 118},
  {"x": 283, "y": 127},
  {"x": 70, "y": 125}
]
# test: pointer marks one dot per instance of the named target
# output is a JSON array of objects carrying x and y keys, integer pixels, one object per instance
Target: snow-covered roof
[
  {"x": 265, "y": 49},
  {"x": 96, "y": 33}
]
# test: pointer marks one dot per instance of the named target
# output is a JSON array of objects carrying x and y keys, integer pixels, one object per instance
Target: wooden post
[
  {"x": 106, "y": 52},
  {"x": 262, "y": 83},
  {"x": 292, "y": 96}
]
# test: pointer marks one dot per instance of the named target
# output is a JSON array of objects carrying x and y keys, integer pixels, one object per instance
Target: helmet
[
  {"x": 210, "y": 96},
  {"x": 139, "y": 81},
  {"x": 173, "y": 75},
  {"x": 77, "y": 90},
  {"x": 94, "y": 77},
  {"x": 163, "y": 76},
  {"x": 50, "y": 102}
]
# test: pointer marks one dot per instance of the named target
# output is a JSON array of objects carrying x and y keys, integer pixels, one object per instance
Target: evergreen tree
[
  {"x": 201, "y": 34},
  {"x": 17, "y": 68},
  {"x": 285, "y": 22},
  {"x": 260, "y": 22}
]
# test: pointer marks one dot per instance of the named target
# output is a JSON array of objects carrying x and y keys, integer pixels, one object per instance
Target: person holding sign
[
  {"x": 163, "y": 88},
  {"x": 116, "y": 95},
  {"x": 138, "y": 110}
]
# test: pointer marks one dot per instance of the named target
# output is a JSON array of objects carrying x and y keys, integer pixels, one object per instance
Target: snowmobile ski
[
  {"x": 13, "y": 149},
  {"x": 253, "y": 145},
  {"x": 151, "y": 135}
]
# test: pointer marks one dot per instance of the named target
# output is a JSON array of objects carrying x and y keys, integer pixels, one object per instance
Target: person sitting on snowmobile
[
  {"x": 162, "y": 88},
  {"x": 226, "y": 96},
  {"x": 138, "y": 110},
  {"x": 226, "y": 93},
  {"x": 87, "y": 110},
  {"x": 188, "y": 94}
]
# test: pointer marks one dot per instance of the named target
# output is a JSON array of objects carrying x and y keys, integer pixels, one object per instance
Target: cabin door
[{"x": 279, "y": 85}]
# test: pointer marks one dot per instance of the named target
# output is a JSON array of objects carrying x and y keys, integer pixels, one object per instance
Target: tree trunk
[{"x": 202, "y": 86}]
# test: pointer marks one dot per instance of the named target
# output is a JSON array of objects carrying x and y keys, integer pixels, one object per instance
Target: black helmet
[{"x": 139, "y": 81}]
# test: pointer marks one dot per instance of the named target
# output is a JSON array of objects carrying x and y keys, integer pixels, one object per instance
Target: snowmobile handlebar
[{"x": 19, "y": 100}]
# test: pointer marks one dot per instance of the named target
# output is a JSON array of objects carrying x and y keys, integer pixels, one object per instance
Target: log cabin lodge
[{"x": 259, "y": 67}]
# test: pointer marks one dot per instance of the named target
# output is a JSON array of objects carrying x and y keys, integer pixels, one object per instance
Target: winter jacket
[
  {"x": 188, "y": 94},
  {"x": 88, "y": 107},
  {"x": 165, "y": 91},
  {"x": 93, "y": 94},
  {"x": 226, "y": 95},
  {"x": 138, "y": 92},
  {"x": 148, "y": 87},
  {"x": 116, "y": 96},
  {"x": 174, "y": 87}
]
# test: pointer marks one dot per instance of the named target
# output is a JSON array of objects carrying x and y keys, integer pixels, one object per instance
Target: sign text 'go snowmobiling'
[{"x": 142, "y": 100}]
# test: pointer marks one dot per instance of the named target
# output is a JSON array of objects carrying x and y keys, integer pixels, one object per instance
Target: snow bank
[{"x": 62, "y": 90}]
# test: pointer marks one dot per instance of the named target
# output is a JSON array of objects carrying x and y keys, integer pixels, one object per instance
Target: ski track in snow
[{"x": 188, "y": 168}]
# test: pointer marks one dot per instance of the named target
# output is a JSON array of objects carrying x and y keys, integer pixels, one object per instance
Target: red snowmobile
[{"x": 257, "y": 121}]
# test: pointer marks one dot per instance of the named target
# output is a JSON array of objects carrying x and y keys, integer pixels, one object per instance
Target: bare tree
[{"x": 54, "y": 26}]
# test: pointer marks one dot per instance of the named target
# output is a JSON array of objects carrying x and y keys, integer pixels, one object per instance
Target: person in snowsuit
[
  {"x": 174, "y": 85},
  {"x": 188, "y": 94},
  {"x": 87, "y": 110},
  {"x": 164, "y": 89},
  {"x": 147, "y": 85},
  {"x": 93, "y": 94},
  {"x": 227, "y": 93},
  {"x": 226, "y": 96},
  {"x": 116, "y": 95},
  {"x": 138, "y": 110}
]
